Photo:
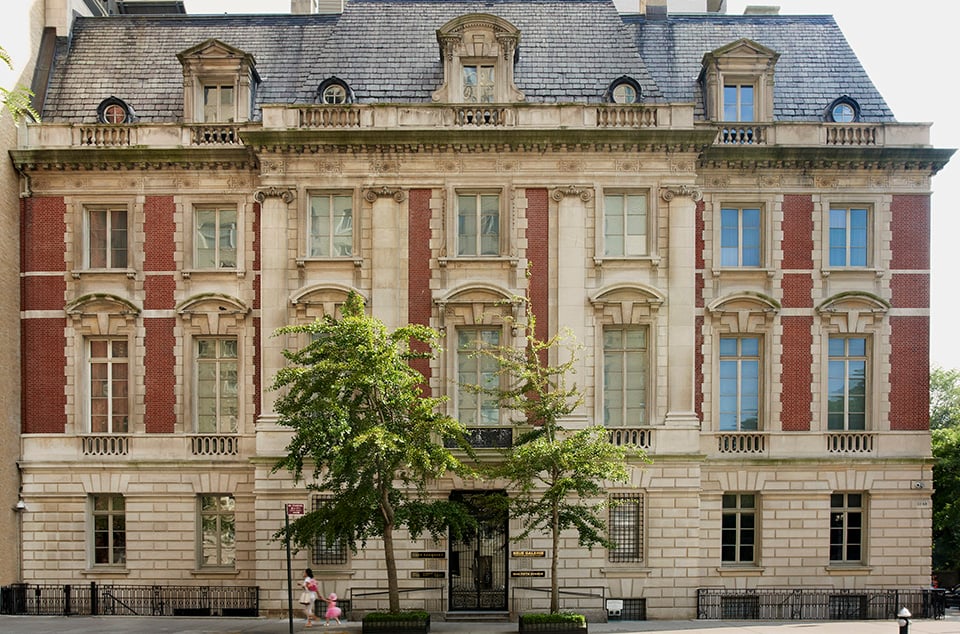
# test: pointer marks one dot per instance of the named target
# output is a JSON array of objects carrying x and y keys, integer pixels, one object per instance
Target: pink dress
[{"x": 333, "y": 612}]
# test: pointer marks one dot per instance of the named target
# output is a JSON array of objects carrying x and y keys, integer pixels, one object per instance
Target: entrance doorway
[{"x": 478, "y": 560}]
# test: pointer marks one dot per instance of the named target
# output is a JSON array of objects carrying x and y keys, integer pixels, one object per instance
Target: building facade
[{"x": 733, "y": 225}]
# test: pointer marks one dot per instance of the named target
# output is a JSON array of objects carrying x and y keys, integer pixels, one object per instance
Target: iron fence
[
  {"x": 818, "y": 604},
  {"x": 95, "y": 599}
]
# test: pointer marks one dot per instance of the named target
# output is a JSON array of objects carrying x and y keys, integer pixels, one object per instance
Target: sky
[{"x": 907, "y": 48}]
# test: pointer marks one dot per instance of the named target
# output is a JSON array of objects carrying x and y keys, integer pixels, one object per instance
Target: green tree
[
  {"x": 556, "y": 474},
  {"x": 944, "y": 398},
  {"x": 371, "y": 438},
  {"x": 946, "y": 498},
  {"x": 18, "y": 100}
]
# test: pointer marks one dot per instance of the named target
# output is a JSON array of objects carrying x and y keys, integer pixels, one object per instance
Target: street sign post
[{"x": 295, "y": 510}]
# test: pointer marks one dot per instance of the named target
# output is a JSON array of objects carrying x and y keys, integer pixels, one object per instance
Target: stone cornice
[
  {"x": 924, "y": 159},
  {"x": 138, "y": 158}
]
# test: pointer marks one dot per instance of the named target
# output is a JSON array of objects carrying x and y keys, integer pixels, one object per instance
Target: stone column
[
  {"x": 681, "y": 305},
  {"x": 274, "y": 300},
  {"x": 388, "y": 259}
]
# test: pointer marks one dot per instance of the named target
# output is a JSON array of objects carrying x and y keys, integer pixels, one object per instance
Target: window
[
  {"x": 478, "y": 224},
  {"x": 625, "y": 225},
  {"x": 738, "y": 532},
  {"x": 847, "y": 384},
  {"x": 843, "y": 110},
  {"x": 476, "y": 369},
  {"x": 740, "y": 236},
  {"x": 109, "y": 371},
  {"x": 849, "y": 236},
  {"x": 478, "y": 83},
  {"x": 624, "y": 90},
  {"x": 216, "y": 238},
  {"x": 324, "y": 552},
  {"x": 109, "y": 530},
  {"x": 106, "y": 238},
  {"x": 739, "y": 383},
  {"x": 626, "y": 528},
  {"x": 738, "y": 102},
  {"x": 625, "y": 363},
  {"x": 846, "y": 527},
  {"x": 218, "y": 531},
  {"x": 217, "y": 400},
  {"x": 114, "y": 111},
  {"x": 330, "y": 233},
  {"x": 334, "y": 94},
  {"x": 218, "y": 103}
]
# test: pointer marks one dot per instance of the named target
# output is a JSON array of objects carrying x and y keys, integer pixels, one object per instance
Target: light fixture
[{"x": 21, "y": 505}]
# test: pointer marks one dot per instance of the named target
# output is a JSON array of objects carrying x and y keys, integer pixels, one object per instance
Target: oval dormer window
[
  {"x": 114, "y": 111},
  {"x": 333, "y": 92},
  {"x": 624, "y": 90},
  {"x": 844, "y": 110}
]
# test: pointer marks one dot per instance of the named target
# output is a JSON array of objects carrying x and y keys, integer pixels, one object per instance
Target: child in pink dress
[{"x": 333, "y": 612}]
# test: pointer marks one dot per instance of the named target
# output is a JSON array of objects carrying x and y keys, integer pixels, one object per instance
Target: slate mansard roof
[{"x": 387, "y": 52}]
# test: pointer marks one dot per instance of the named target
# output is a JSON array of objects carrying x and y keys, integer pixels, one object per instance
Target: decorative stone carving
[
  {"x": 669, "y": 193},
  {"x": 585, "y": 193},
  {"x": 371, "y": 194},
  {"x": 287, "y": 195},
  {"x": 273, "y": 167}
]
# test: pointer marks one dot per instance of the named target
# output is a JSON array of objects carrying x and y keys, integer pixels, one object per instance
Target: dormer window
[
  {"x": 334, "y": 91},
  {"x": 737, "y": 81},
  {"x": 219, "y": 83},
  {"x": 843, "y": 110},
  {"x": 114, "y": 111},
  {"x": 624, "y": 90},
  {"x": 478, "y": 53}
]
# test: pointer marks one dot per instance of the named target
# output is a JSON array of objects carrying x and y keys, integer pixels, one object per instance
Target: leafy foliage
[
  {"x": 381, "y": 617},
  {"x": 944, "y": 398},
  {"x": 365, "y": 433},
  {"x": 18, "y": 100},
  {"x": 555, "y": 473},
  {"x": 556, "y": 617},
  {"x": 946, "y": 498}
]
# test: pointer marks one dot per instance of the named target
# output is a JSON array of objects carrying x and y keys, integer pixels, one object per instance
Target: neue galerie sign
[{"x": 528, "y": 553}]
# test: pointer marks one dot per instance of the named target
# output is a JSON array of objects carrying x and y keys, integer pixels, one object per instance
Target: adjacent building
[{"x": 722, "y": 209}]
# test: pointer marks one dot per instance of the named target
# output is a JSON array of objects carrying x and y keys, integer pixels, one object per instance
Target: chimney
[
  {"x": 654, "y": 9},
  {"x": 327, "y": 7},
  {"x": 762, "y": 10}
]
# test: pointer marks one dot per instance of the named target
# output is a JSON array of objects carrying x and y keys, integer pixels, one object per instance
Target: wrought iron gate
[{"x": 478, "y": 561}]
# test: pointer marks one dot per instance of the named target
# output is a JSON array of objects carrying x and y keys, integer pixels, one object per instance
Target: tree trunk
[
  {"x": 555, "y": 561},
  {"x": 393, "y": 586}
]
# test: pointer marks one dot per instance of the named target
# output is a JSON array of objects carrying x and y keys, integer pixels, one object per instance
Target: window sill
[
  {"x": 302, "y": 262},
  {"x": 474, "y": 259},
  {"x": 653, "y": 260},
  {"x": 188, "y": 273},
  {"x": 743, "y": 271},
  {"x": 128, "y": 273},
  {"x": 626, "y": 571},
  {"x": 848, "y": 569},
  {"x": 740, "y": 571},
  {"x": 106, "y": 571},
  {"x": 215, "y": 572},
  {"x": 852, "y": 271},
  {"x": 332, "y": 573}
]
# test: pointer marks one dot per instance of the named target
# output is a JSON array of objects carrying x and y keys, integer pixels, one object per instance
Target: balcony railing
[
  {"x": 105, "y": 445},
  {"x": 850, "y": 442},
  {"x": 742, "y": 443},
  {"x": 626, "y": 117},
  {"x": 747, "y": 134},
  {"x": 215, "y": 445},
  {"x": 631, "y": 436}
]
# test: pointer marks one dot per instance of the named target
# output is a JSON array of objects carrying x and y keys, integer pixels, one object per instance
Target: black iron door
[{"x": 478, "y": 560}]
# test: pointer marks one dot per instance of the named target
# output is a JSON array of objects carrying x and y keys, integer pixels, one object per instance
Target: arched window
[
  {"x": 843, "y": 110},
  {"x": 114, "y": 111},
  {"x": 334, "y": 91}
]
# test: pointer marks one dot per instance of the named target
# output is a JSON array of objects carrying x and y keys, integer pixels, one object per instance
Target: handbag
[{"x": 307, "y": 597}]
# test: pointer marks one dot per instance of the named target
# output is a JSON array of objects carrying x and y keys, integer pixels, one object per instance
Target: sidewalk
[{"x": 181, "y": 625}]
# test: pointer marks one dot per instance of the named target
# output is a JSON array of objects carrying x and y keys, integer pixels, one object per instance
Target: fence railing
[
  {"x": 95, "y": 599},
  {"x": 818, "y": 604}
]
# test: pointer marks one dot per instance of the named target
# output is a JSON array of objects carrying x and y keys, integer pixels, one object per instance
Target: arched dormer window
[
  {"x": 219, "y": 83},
  {"x": 478, "y": 52},
  {"x": 623, "y": 90},
  {"x": 843, "y": 109},
  {"x": 737, "y": 82},
  {"x": 334, "y": 91},
  {"x": 114, "y": 111}
]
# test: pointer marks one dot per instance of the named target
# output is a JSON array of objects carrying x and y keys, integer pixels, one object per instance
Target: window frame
[
  {"x": 503, "y": 223},
  {"x": 649, "y": 242},
  {"x": 739, "y": 83},
  {"x": 322, "y": 554},
  {"x": 223, "y": 425},
  {"x": 846, "y": 358},
  {"x": 109, "y": 228},
  {"x": 238, "y": 237},
  {"x": 741, "y": 229},
  {"x": 845, "y": 510},
  {"x": 848, "y": 229},
  {"x": 624, "y": 390},
  {"x": 478, "y": 64},
  {"x": 218, "y": 513},
  {"x": 877, "y": 208},
  {"x": 739, "y": 359},
  {"x": 460, "y": 393},
  {"x": 331, "y": 235},
  {"x": 634, "y": 552},
  {"x": 88, "y": 342},
  {"x": 217, "y": 83},
  {"x": 111, "y": 513},
  {"x": 739, "y": 511}
]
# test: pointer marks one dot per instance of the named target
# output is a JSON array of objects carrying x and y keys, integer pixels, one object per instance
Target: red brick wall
[
  {"x": 43, "y": 393},
  {"x": 698, "y": 367},
  {"x": 538, "y": 254},
  {"x": 256, "y": 236},
  {"x": 701, "y": 246},
  {"x": 419, "y": 306},
  {"x": 158, "y": 292},
  {"x": 159, "y": 230},
  {"x": 257, "y": 370},
  {"x": 43, "y": 217},
  {"x": 159, "y": 379},
  {"x": 910, "y": 291},
  {"x": 797, "y": 232},
  {"x": 911, "y": 231},
  {"x": 909, "y": 373},
  {"x": 797, "y": 378},
  {"x": 42, "y": 293},
  {"x": 797, "y": 290}
]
